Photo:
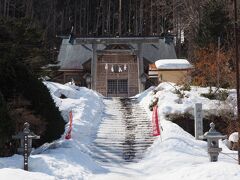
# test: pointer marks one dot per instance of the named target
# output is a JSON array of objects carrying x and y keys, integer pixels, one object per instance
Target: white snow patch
[
  {"x": 173, "y": 64},
  {"x": 175, "y": 155},
  {"x": 233, "y": 137},
  {"x": 67, "y": 159},
  {"x": 18, "y": 174}
]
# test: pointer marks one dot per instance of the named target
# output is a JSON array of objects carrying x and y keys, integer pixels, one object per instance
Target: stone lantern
[
  {"x": 26, "y": 138},
  {"x": 143, "y": 78},
  {"x": 88, "y": 79},
  {"x": 213, "y": 137}
]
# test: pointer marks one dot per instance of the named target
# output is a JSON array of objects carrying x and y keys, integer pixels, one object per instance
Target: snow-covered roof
[
  {"x": 156, "y": 51},
  {"x": 73, "y": 56},
  {"x": 173, "y": 64}
]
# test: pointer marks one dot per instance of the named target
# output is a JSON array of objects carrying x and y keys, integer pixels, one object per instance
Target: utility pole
[
  {"x": 237, "y": 73},
  {"x": 120, "y": 18},
  {"x": 218, "y": 63}
]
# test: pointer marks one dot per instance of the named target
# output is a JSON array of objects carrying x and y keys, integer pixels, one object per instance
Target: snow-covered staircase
[{"x": 124, "y": 133}]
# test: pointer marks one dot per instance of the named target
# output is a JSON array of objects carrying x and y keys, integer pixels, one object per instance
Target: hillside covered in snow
[{"x": 173, "y": 155}]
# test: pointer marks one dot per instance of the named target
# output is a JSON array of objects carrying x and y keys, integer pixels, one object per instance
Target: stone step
[
  {"x": 103, "y": 160},
  {"x": 121, "y": 121},
  {"x": 124, "y": 134},
  {"x": 117, "y": 152},
  {"x": 113, "y": 124},
  {"x": 151, "y": 138},
  {"x": 117, "y": 155},
  {"x": 121, "y": 146},
  {"x": 127, "y": 133},
  {"x": 123, "y": 157}
]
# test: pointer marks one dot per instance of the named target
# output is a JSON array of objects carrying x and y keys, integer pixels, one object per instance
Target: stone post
[
  {"x": 198, "y": 118},
  {"x": 26, "y": 132},
  {"x": 140, "y": 67},
  {"x": 25, "y": 138},
  {"x": 94, "y": 66}
]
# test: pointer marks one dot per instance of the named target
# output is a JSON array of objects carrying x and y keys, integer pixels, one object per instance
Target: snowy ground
[{"x": 176, "y": 155}]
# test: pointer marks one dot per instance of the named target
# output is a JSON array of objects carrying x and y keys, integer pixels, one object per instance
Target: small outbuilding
[{"x": 171, "y": 70}]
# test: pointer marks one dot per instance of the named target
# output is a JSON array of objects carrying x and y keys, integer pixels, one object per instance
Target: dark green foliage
[
  {"x": 21, "y": 41},
  {"x": 224, "y": 121},
  {"x": 186, "y": 87},
  {"x": 180, "y": 93},
  {"x": 185, "y": 120},
  {"x": 209, "y": 95},
  {"x": 21, "y": 54},
  {"x": 7, "y": 126},
  {"x": 220, "y": 95},
  {"x": 214, "y": 23},
  {"x": 7, "y": 77},
  {"x": 41, "y": 102}
]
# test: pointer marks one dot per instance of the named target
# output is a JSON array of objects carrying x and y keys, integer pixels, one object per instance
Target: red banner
[
  {"x": 155, "y": 125},
  {"x": 68, "y": 135}
]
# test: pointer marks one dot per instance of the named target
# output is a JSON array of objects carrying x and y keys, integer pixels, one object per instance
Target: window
[
  {"x": 112, "y": 86},
  {"x": 118, "y": 86},
  {"x": 122, "y": 86}
]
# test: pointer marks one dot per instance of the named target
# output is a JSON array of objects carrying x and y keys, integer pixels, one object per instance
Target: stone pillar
[
  {"x": 94, "y": 66},
  {"x": 140, "y": 67},
  {"x": 198, "y": 117}
]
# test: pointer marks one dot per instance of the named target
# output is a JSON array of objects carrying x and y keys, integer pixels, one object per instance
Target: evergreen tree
[
  {"x": 6, "y": 124},
  {"x": 22, "y": 42},
  {"x": 214, "y": 23},
  {"x": 22, "y": 54}
]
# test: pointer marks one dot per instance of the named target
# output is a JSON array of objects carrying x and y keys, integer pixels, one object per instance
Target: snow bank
[
  {"x": 176, "y": 154},
  {"x": 169, "y": 101},
  {"x": 233, "y": 137},
  {"x": 173, "y": 64},
  {"x": 18, "y": 174},
  {"x": 65, "y": 159}
]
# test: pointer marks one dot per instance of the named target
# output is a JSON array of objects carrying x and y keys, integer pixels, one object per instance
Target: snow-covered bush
[
  {"x": 224, "y": 121},
  {"x": 218, "y": 94},
  {"x": 20, "y": 82},
  {"x": 233, "y": 139},
  {"x": 154, "y": 99}
]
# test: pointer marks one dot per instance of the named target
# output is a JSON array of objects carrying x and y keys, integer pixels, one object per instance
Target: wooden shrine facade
[{"x": 115, "y": 65}]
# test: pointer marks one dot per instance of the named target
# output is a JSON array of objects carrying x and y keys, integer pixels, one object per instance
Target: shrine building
[{"x": 114, "y": 67}]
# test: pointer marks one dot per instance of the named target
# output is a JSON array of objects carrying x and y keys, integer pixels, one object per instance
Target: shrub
[
  {"x": 185, "y": 120},
  {"x": 42, "y": 109},
  {"x": 212, "y": 67},
  {"x": 179, "y": 93},
  {"x": 220, "y": 95},
  {"x": 186, "y": 87},
  {"x": 6, "y": 127},
  {"x": 224, "y": 121},
  {"x": 24, "y": 52},
  {"x": 42, "y": 103}
]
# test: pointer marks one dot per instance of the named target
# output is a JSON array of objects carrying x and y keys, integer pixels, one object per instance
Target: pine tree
[
  {"x": 22, "y": 54},
  {"x": 7, "y": 127},
  {"x": 214, "y": 23}
]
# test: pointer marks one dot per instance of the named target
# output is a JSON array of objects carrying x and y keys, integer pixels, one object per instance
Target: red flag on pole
[
  {"x": 156, "y": 130},
  {"x": 68, "y": 135}
]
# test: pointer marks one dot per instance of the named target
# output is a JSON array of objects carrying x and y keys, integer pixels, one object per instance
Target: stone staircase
[{"x": 124, "y": 133}]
